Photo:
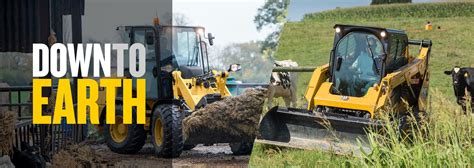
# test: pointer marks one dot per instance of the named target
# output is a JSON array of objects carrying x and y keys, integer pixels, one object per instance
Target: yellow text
[{"x": 87, "y": 97}]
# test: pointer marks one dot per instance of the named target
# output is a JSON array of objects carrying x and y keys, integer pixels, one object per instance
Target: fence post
[
  {"x": 10, "y": 100},
  {"x": 19, "y": 101}
]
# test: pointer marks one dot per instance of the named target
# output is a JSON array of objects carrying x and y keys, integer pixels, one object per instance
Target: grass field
[{"x": 450, "y": 141}]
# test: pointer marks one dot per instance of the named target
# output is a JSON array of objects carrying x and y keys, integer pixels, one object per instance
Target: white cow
[{"x": 283, "y": 84}]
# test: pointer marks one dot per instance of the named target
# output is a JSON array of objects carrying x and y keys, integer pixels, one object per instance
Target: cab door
[{"x": 138, "y": 35}]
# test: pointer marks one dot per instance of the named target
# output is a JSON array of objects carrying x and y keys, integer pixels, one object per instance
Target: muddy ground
[{"x": 218, "y": 155}]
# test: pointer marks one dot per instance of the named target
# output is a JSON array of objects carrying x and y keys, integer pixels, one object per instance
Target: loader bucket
[{"x": 300, "y": 128}]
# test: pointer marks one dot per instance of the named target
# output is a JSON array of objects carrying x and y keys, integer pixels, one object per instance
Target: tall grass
[
  {"x": 444, "y": 140},
  {"x": 425, "y": 10}
]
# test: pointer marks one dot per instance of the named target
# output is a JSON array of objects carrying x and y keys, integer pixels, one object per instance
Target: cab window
[
  {"x": 357, "y": 62},
  {"x": 396, "y": 57}
]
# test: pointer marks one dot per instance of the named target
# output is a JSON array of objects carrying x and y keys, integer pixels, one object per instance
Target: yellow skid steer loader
[{"x": 370, "y": 69}]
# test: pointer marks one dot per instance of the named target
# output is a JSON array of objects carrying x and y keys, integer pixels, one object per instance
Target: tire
[
  {"x": 188, "y": 147},
  {"x": 407, "y": 95},
  {"x": 404, "y": 128},
  {"x": 243, "y": 148},
  {"x": 168, "y": 140},
  {"x": 134, "y": 137},
  {"x": 408, "y": 124}
]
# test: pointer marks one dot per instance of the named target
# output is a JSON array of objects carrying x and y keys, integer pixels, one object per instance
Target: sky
[
  {"x": 103, "y": 16},
  {"x": 230, "y": 21}
]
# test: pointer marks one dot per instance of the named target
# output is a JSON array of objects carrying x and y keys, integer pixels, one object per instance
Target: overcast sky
[{"x": 231, "y": 21}]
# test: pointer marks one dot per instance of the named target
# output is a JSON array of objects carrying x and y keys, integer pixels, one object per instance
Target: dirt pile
[
  {"x": 78, "y": 156},
  {"x": 233, "y": 116},
  {"x": 7, "y": 130}
]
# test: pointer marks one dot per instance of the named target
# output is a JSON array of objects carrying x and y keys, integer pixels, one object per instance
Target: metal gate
[{"x": 48, "y": 138}]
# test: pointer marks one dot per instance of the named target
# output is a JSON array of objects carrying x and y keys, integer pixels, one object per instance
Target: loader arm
[
  {"x": 418, "y": 66},
  {"x": 193, "y": 93},
  {"x": 318, "y": 77}
]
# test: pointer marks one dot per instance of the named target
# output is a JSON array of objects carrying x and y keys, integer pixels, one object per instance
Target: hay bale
[
  {"x": 78, "y": 156},
  {"x": 5, "y": 162},
  {"x": 236, "y": 116},
  {"x": 7, "y": 131}
]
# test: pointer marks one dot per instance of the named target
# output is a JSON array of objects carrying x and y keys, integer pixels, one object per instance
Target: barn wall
[{"x": 24, "y": 22}]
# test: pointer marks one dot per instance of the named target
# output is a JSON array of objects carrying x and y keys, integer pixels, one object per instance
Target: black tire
[
  {"x": 172, "y": 142},
  {"x": 134, "y": 140},
  {"x": 408, "y": 97},
  {"x": 409, "y": 123},
  {"x": 404, "y": 128},
  {"x": 243, "y": 148},
  {"x": 188, "y": 147}
]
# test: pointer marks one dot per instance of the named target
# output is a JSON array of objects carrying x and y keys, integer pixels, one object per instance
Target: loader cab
[
  {"x": 170, "y": 48},
  {"x": 362, "y": 56}
]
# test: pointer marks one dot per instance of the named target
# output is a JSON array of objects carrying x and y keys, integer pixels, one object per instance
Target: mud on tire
[
  {"x": 135, "y": 136},
  {"x": 171, "y": 143},
  {"x": 243, "y": 148}
]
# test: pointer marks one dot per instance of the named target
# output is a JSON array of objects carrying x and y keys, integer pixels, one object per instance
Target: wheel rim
[
  {"x": 158, "y": 132},
  {"x": 118, "y": 131}
]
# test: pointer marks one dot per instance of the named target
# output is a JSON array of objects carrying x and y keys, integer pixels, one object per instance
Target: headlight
[
  {"x": 200, "y": 32},
  {"x": 338, "y": 30},
  {"x": 383, "y": 34}
]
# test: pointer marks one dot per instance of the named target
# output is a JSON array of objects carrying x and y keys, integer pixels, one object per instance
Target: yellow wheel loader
[
  {"x": 370, "y": 69},
  {"x": 178, "y": 82}
]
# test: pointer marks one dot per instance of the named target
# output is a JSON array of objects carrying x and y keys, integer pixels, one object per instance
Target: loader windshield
[
  {"x": 357, "y": 64},
  {"x": 185, "y": 47}
]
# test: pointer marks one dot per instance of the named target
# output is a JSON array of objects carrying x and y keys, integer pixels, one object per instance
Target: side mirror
[
  {"x": 150, "y": 38},
  {"x": 338, "y": 63},
  {"x": 210, "y": 38},
  {"x": 234, "y": 68}
]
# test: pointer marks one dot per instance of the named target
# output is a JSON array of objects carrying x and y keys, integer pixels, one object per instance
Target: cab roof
[{"x": 350, "y": 28}]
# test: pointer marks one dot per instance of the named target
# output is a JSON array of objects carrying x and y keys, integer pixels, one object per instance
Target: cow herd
[{"x": 284, "y": 85}]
